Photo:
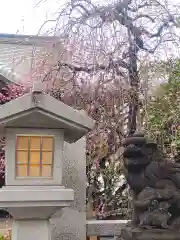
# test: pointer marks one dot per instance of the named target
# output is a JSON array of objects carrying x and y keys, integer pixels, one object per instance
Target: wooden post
[
  {"x": 90, "y": 215},
  {"x": 93, "y": 238}
]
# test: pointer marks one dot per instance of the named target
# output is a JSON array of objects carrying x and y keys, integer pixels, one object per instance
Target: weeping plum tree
[
  {"x": 101, "y": 75},
  {"x": 103, "y": 142},
  {"x": 106, "y": 44},
  {"x": 108, "y": 39}
]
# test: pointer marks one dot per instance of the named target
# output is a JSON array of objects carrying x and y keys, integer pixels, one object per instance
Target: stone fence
[{"x": 109, "y": 228}]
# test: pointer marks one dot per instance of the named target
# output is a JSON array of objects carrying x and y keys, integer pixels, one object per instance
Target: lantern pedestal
[
  {"x": 31, "y": 208},
  {"x": 31, "y": 229}
]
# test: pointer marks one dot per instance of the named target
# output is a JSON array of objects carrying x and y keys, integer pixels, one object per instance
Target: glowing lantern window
[{"x": 34, "y": 156}]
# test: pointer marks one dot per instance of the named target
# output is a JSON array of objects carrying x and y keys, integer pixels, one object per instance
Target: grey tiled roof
[{"x": 19, "y": 54}]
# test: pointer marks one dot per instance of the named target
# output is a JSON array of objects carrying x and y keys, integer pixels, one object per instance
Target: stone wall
[{"x": 70, "y": 224}]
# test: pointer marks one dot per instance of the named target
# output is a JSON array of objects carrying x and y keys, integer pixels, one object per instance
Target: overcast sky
[{"x": 24, "y": 17}]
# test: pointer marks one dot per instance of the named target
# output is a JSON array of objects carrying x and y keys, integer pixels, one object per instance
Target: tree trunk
[{"x": 134, "y": 91}]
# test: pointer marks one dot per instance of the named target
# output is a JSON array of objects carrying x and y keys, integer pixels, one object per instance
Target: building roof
[
  {"x": 27, "y": 39},
  {"x": 20, "y": 55},
  {"x": 39, "y": 110},
  {"x": 8, "y": 76}
]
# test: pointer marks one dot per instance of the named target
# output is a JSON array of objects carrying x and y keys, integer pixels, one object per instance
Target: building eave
[{"x": 27, "y": 39}]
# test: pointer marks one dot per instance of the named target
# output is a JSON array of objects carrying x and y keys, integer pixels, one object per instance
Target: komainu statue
[{"x": 155, "y": 184}]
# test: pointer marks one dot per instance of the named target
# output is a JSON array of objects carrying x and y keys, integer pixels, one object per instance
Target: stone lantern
[{"x": 36, "y": 126}]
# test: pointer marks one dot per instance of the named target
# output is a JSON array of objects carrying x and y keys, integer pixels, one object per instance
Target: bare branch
[
  {"x": 50, "y": 20},
  {"x": 98, "y": 67},
  {"x": 81, "y": 6},
  {"x": 146, "y": 4},
  {"x": 144, "y": 16},
  {"x": 160, "y": 29}
]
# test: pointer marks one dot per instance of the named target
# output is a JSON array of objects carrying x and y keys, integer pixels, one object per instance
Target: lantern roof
[{"x": 39, "y": 110}]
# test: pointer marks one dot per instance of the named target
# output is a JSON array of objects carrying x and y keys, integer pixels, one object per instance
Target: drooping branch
[
  {"x": 116, "y": 12},
  {"x": 112, "y": 66},
  {"x": 162, "y": 27},
  {"x": 144, "y": 16},
  {"x": 140, "y": 6},
  {"x": 122, "y": 14},
  {"x": 97, "y": 67}
]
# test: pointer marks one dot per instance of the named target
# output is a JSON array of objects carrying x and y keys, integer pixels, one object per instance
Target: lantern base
[
  {"x": 31, "y": 229},
  {"x": 31, "y": 208},
  {"x": 34, "y": 202}
]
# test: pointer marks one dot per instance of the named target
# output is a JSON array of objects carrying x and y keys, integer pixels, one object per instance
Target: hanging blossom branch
[
  {"x": 115, "y": 65},
  {"x": 97, "y": 67},
  {"x": 84, "y": 18},
  {"x": 118, "y": 14},
  {"x": 113, "y": 13}
]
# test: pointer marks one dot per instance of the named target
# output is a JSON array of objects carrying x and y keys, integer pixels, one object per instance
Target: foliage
[
  {"x": 2, "y": 238},
  {"x": 102, "y": 77},
  {"x": 104, "y": 166},
  {"x": 7, "y": 94},
  {"x": 6, "y": 236},
  {"x": 103, "y": 160},
  {"x": 11, "y": 92},
  {"x": 105, "y": 42},
  {"x": 163, "y": 113}
]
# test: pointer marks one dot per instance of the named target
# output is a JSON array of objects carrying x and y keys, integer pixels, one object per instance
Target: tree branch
[
  {"x": 139, "y": 7},
  {"x": 143, "y": 16},
  {"x": 81, "y": 6},
  {"x": 97, "y": 67},
  {"x": 160, "y": 30}
]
